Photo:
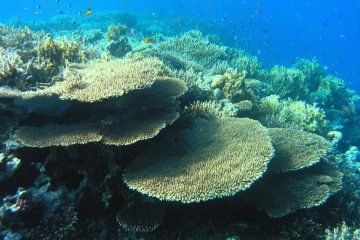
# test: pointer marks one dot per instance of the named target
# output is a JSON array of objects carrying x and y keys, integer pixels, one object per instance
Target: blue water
[{"x": 277, "y": 32}]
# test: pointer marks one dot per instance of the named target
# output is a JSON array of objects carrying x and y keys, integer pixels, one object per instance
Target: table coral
[{"x": 202, "y": 162}]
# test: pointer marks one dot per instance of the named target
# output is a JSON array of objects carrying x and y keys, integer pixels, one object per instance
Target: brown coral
[{"x": 213, "y": 159}]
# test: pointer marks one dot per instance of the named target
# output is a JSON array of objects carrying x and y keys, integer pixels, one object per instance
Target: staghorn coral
[
  {"x": 282, "y": 194},
  {"x": 296, "y": 149},
  {"x": 202, "y": 162}
]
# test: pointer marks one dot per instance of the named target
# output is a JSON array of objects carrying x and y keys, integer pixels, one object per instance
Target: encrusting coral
[
  {"x": 202, "y": 162},
  {"x": 296, "y": 149}
]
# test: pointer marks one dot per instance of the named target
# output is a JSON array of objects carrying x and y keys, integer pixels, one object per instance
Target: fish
[
  {"x": 132, "y": 32},
  {"x": 148, "y": 40},
  {"x": 88, "y": 12}
]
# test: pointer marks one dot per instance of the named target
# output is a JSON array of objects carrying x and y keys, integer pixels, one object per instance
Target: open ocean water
[{"x": 206, "y": 119}]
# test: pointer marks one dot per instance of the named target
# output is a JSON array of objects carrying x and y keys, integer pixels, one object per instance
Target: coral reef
[{"x": 101, "y": 139}]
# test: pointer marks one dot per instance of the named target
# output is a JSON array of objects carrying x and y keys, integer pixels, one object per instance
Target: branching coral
[
  {"x": 333, "y": 93},
  {"x": 244, "y": 62},
  {"x": 22, "y": 39},
  {"x": 60, "y": 51},
  {"x": 202, "y": 162},
  {"x": 286, "y": 82},
  {"x": 293, "y": 114},
  {"x": 13, "y": 71},
  {"x": 313, "y": 72}
]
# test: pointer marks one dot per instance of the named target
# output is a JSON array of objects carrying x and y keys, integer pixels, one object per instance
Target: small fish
[
  {"x": 57, "y": 1},
  {"x": 132, "y": 32},
  {"x": 148, "y": 40},
  {"x": 88, "y": 12}
]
